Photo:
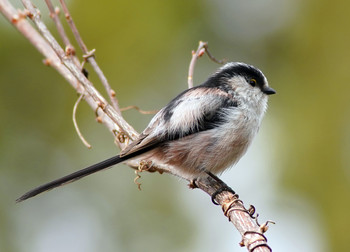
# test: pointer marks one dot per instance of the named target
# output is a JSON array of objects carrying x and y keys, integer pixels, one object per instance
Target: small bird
[{"x": 205, "y": 129}]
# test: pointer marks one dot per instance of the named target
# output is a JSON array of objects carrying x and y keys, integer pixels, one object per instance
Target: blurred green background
[{"x": 296, "y": 173}]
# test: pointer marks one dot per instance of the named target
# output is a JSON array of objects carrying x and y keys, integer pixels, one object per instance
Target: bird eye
[{"x": 252, "y": 82}]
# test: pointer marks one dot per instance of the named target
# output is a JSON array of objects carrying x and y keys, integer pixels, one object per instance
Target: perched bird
[{"x": 205, "y": 129}]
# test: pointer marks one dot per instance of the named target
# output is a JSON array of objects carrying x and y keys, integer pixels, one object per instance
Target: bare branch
[
  {"x": 54, "y": 15},
  {"x": 252, "y": 233},
  {"x": 69, "y": 48},
  {"x": 73, "y": 27},
  {"x": 202, "y": 48},
  {"x": 195, "y": 55},
  {"x": 90, "y": 57},
  {"x": 90, "y": 90}
]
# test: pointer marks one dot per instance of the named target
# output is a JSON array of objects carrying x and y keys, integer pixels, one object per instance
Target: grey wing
[
  {"x": 146, "y": 139},
  {"x": 194, "y": 110}
]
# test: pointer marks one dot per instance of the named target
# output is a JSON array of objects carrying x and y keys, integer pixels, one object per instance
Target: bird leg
[{"x": 223, "y": 188}]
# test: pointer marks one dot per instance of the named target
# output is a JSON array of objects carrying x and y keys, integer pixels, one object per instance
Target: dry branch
[
  {"x": 202, "y": 48},
  {"x": 90, "y": 57},
  {"x": 67, "y": 65}
]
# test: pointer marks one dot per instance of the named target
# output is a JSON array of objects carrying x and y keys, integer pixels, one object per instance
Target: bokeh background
[{"x": 296, "y": 173}]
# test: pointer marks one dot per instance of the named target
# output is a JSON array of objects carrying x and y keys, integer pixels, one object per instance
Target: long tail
[{"x": 72, "y": 177}]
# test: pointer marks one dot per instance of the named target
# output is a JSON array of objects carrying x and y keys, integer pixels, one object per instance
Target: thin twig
[
  {"x": 222, "y": 61},
  {"x": 145, "y": 112},
  {"x": 76, "y": 124},
  {"x": 90, "y": 90},
  {"x": 54, "y": 15},
  {"x": 90, "y": 57},
  {"x": 73, "y": 27},
  {"x": 195, "y": 55},
  {"x": 202, "y": 48},
  {"x": 45, "y": 46},
  {"x": 111, "y": 93},
  {"x": 69, "y": 48}
]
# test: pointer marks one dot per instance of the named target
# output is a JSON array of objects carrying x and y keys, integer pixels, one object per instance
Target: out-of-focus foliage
[
  {"x": 312, "y": 60},
  {"x": 144, "y": 49}
]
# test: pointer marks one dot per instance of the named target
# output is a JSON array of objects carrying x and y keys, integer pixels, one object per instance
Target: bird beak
[{"x": 267, "y": 90}]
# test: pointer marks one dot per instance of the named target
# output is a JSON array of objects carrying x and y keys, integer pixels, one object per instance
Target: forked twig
[
  {"x": 90, "y": 57},
  {"x": 69, "y": 48},
  {"x": 202, "y": 48},
  {"x": 54, "y": 12},
  {"x": 76, "y": 72},
  {"x": 73, "y": 27}
]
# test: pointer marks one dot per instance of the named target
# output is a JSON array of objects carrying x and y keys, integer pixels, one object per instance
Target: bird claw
[{"x": 223, "y": 188}]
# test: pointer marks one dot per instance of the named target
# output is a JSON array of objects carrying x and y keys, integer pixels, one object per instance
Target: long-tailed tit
[{"x": 205, "y": 129}]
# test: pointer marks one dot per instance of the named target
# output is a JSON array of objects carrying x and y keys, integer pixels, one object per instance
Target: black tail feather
[{"x": 72, "y": 177}]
